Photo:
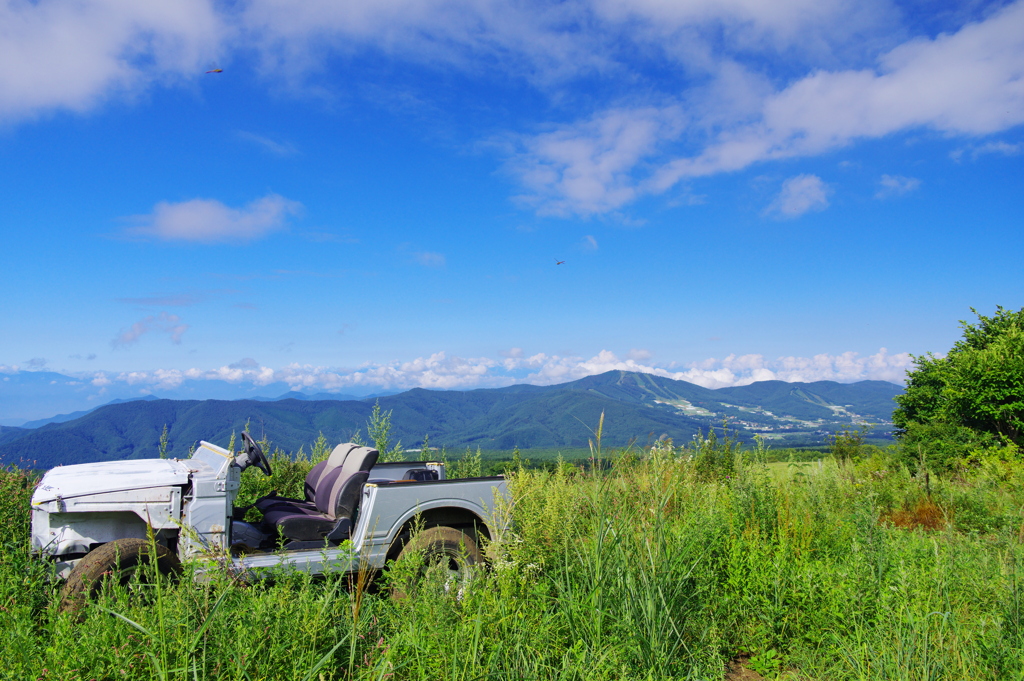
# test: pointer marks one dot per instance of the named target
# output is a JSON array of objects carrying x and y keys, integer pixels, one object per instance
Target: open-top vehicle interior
[{"x": 332, "y": 489}]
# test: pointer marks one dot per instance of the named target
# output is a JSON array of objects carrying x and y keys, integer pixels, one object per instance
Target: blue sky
[{"x": 374, "y": 195}]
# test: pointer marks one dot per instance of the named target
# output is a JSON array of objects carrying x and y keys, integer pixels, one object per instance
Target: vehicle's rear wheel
[
  {"x": 449, "y": 559},
  {"x": 116, "y": 562}
]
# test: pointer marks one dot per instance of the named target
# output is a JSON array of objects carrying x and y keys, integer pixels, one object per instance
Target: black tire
[
  {"x": 440, "y": 546},
  {"x": 117, "y": 560}
]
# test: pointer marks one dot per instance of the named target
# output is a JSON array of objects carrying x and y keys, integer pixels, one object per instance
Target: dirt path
[{"x": 738, "y": 671}]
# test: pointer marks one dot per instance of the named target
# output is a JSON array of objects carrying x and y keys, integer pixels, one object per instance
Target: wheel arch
[{"x": 458, "y": 517}]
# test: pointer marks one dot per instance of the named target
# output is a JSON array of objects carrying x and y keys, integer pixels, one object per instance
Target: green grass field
[{"x": 665, "y": 565}]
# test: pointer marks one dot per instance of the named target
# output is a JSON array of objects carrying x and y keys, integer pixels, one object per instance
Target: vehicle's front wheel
[
  {"x": 444, "y": 560},
  {"x": 115, "y": 561}
]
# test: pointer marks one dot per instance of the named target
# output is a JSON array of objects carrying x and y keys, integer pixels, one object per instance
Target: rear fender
[{"x": 444, "y": 516}]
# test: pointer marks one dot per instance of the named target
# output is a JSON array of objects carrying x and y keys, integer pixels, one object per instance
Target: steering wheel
[{"x": 255, "y": 454}]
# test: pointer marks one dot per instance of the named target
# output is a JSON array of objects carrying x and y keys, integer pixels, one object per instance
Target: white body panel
[
  {"x": 387, "y": 508},
  {"x": 109, "y": 476},
  {"x": 76, "y": 508}
]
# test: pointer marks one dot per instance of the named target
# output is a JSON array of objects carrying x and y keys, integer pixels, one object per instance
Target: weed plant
[{"x": 663, "y": 564}]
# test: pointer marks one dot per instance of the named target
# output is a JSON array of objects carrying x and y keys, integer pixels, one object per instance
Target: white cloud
[
  {"x": 443, "y": 371},
  {"x": 807, "y": 25},
  {"x": 696, "y": 88},
  {"x": 1004, "y": 148},
  {"x": 546, "y": 41},
  {"x": 896, "y": 185},
  {"x": 430, "y": 259},
  {"x": 276, "y": 148},
  {"x": 800, "y": 195},
  {"x": 163, "y": 323},
  {"x": 530, "y": 39},
  {"x": 512, "y": 353},
  {"x": 209, "y": 221},
  {"x": 970, "y": 82},
  {"x": 587, "y": 167},
  {"x": 998, "y": 147},
  {"x": 720, "y": 373},
  {"x": 73, "y": 55},
  {"x": 844, "y": 368}
]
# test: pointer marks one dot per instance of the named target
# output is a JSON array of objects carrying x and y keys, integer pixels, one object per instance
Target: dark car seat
[
  {"x": 316, "y": 474},
  {"x": 335, "y": 497}
]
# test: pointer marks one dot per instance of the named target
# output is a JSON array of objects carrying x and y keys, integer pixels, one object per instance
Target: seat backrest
[
  {"x": 317, "y": 472},
  {"x": 337, "y": 493}
]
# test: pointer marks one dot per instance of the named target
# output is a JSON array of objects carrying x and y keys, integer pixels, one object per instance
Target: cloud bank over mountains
[{"x": 443, "y": 371}]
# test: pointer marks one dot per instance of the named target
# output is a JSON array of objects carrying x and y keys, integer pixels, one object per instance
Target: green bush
[
  {"x": 979, "y": 384},
  {"x": 940, "y": 447}
]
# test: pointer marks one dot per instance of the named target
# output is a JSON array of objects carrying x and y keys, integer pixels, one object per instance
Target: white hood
[{"x": 109, "y": 476}]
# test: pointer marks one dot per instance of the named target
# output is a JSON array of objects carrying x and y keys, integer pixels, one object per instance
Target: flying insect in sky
[
  {"x": 559, "y": 262},
  {"x": 216, "y": 71}
]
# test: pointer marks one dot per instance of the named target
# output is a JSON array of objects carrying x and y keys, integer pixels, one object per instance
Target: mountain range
[
  {"x": 30, "y": 398},
  {"x": 637, "y": 407}
]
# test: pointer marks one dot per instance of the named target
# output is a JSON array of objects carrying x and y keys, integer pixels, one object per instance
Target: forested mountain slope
[{"x": 637, "y": 407}]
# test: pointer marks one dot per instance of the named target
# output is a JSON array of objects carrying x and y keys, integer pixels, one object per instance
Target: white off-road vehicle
[{"x": 104, "y": 519}]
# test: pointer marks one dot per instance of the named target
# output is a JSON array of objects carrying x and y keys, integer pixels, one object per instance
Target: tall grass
[{"x": 663, "y": 566}]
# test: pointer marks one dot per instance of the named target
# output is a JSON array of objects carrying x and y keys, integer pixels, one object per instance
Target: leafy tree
[
  {"x": 469, "y": 466},
  {"x": 846, "y": 445},
  {"x": 164, "y": 439},
  {"x": 321, "y": 448},
  {"x": 715, "y": 459},
  {"x": 978, "y": 385},
  {"x": 379, "y": 429},
  {"x": 986, "y": 391}
]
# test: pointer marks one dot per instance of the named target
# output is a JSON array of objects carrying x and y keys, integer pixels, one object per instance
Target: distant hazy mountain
[
  {"x": 296, "y": 395},
  {"x": 61, "y": 418},
  {"x": 39, "y": 396},
  {"x": 26, "y": 395},
  {"x": 637, "y": 407}
]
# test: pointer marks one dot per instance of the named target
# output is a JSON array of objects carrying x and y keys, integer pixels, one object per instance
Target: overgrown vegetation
[{"x": 664, "y": 563}]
